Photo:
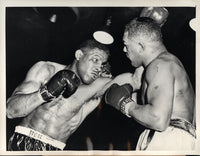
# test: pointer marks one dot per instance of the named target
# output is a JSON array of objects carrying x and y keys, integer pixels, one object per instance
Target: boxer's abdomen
[{"x": 46, "y": 120}]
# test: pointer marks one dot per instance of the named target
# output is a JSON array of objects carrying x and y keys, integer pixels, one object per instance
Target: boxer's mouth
[
  {"x": 127, "y": 55},
  {"x": 95, "y": 75}
]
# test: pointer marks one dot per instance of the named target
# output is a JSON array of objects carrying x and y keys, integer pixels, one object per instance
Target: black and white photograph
[{"x": 100, "y": 78}]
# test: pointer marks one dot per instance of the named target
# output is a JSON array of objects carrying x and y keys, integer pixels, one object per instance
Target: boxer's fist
[
  {"x": 72, "y": 84},
  {"x": 116, "y": 95},
  {"x": 158, "y": 14},
  {"x": 63, "y": 81},
  {"x": 106, "y": 70}
]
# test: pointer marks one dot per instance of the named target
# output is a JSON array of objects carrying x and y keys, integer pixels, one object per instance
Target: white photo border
[{"x": 89, "y": 3}]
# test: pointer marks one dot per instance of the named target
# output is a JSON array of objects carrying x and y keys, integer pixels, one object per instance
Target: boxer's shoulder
[
  {"x": 160, "y": 65},
  {"x": 50, "y": 66},
  {"x": 43, "y": 70},
  {"x": 125, "y": 77},
  {"x": 56, "y": 65}
]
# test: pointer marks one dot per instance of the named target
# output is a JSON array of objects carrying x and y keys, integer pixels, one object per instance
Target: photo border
[{"x": 90, "y": 3}]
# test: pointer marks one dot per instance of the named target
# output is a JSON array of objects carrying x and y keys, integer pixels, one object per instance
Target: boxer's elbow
[
  {"x": 12, "y": 112},
  {"x": 161, "y": 127},
  {"x": 160, "y": 124}
]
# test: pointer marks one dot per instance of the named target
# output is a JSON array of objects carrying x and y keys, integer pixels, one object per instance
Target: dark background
[{"x": 31, "y": 37}]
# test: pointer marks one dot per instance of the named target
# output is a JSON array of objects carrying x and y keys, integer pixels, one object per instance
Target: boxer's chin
[
  {"x": 134, "y": 64},
  {"x": 87, "y": 80}
]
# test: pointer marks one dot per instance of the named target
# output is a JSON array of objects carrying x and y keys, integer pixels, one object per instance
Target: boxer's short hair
[
  {"x": 144, "y": 27},
  {"x": 89, "y": 45}
]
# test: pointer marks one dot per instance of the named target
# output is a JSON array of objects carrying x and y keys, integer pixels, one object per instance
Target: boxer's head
[
  {"x": 90, "y": 59},
  {"x": 139, "y": 34}
]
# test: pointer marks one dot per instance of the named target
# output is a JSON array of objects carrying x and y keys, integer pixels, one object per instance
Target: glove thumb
[
  {"x": 113, "y": 86},
  {"x": 128, "y": 87}
]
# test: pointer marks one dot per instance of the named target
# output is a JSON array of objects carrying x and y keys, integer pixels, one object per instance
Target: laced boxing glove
[
  {"x": 118, "y": 96},
  {"x": 63, "y": 82}
]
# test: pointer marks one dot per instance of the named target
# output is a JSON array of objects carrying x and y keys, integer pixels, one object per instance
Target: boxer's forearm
[
  {"x": 120, "y": 80},
  {"x": 20, "y": 105},
  {"x": 86, "y": 92},
  {"x": 145, "y": 115},
  {"x": 101, "y": 92},
  {"x": 133, "y": 79}
]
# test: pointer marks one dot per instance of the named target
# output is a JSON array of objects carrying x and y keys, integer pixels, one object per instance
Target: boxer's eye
[{"x": 95, "y": 60}]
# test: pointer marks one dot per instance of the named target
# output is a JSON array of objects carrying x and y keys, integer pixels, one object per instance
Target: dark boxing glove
[
  {"x": 118, "y": 96},
  {"x": 62, "y": 81},
  {"x": 72, "y": 85}
]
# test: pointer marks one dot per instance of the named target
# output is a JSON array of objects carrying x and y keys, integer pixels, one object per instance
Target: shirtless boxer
[
  {"x": 168, "y": 101},
  {"x": 54, "y": 99}
]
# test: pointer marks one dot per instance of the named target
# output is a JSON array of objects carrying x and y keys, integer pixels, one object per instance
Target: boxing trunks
[
  {"x": 180, "y": 135},
  {"x": 27, "y": 139}
]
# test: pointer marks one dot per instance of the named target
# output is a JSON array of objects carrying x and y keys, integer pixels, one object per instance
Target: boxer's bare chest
[
  {"x": 50, "y": 113},
  {"x": 49, "y": 118}
]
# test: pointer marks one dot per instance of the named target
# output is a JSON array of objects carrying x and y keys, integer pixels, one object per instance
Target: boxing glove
[
  {"x": 62, "y": 81},
  {"x": 105, "y": 70},
  {"x": 118, "y": 96},
  {"x": 158, "y": 14}
]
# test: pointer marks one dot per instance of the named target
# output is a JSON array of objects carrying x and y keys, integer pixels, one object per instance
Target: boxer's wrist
[
  {"x": 125, "y": 105},
  {"x": 45, "y": 94}
]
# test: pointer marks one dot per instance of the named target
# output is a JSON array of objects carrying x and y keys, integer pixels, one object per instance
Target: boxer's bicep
[
  {"x": 123, "y": 78},
  {"x": 37, "y": 74},
  {"x": 134, "y": 79},
  {"x": 86, "y": 92},
  {"x": 25, "y": 97},
  {"x": 40, "y": 72},
  {"x": 26, "y": 87},
  {"x": 120, "y": 80}
]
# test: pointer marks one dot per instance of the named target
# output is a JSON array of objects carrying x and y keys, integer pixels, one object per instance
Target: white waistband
[{"x": 39, "y": 136}]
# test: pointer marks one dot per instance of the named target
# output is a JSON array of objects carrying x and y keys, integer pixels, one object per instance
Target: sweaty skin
[
  {"x": 60, "y": 117},
  {"x": 166, "y": 92}
]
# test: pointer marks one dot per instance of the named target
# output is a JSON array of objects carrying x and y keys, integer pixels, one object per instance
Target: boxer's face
[
  {"x": 89, "y": 65},
  {"x": 132, "y": 50}
]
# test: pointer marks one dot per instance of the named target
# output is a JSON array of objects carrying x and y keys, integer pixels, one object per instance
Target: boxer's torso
[
  {"x": 183, "y": 94},
  {"x": 51, "y": 118}
]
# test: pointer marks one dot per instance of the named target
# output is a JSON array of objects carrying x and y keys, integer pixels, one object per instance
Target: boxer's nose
[
  {"x": 124, "y": 49},
  {"x": 98, "y": 68}
]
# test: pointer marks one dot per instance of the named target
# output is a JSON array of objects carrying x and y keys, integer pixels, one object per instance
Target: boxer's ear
[{"x": 78, "y": 54}]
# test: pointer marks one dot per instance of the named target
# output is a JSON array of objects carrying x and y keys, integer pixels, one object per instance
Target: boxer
[
  {"x": 167, "y": 107},
  {"x": 54, "y": 99}
]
